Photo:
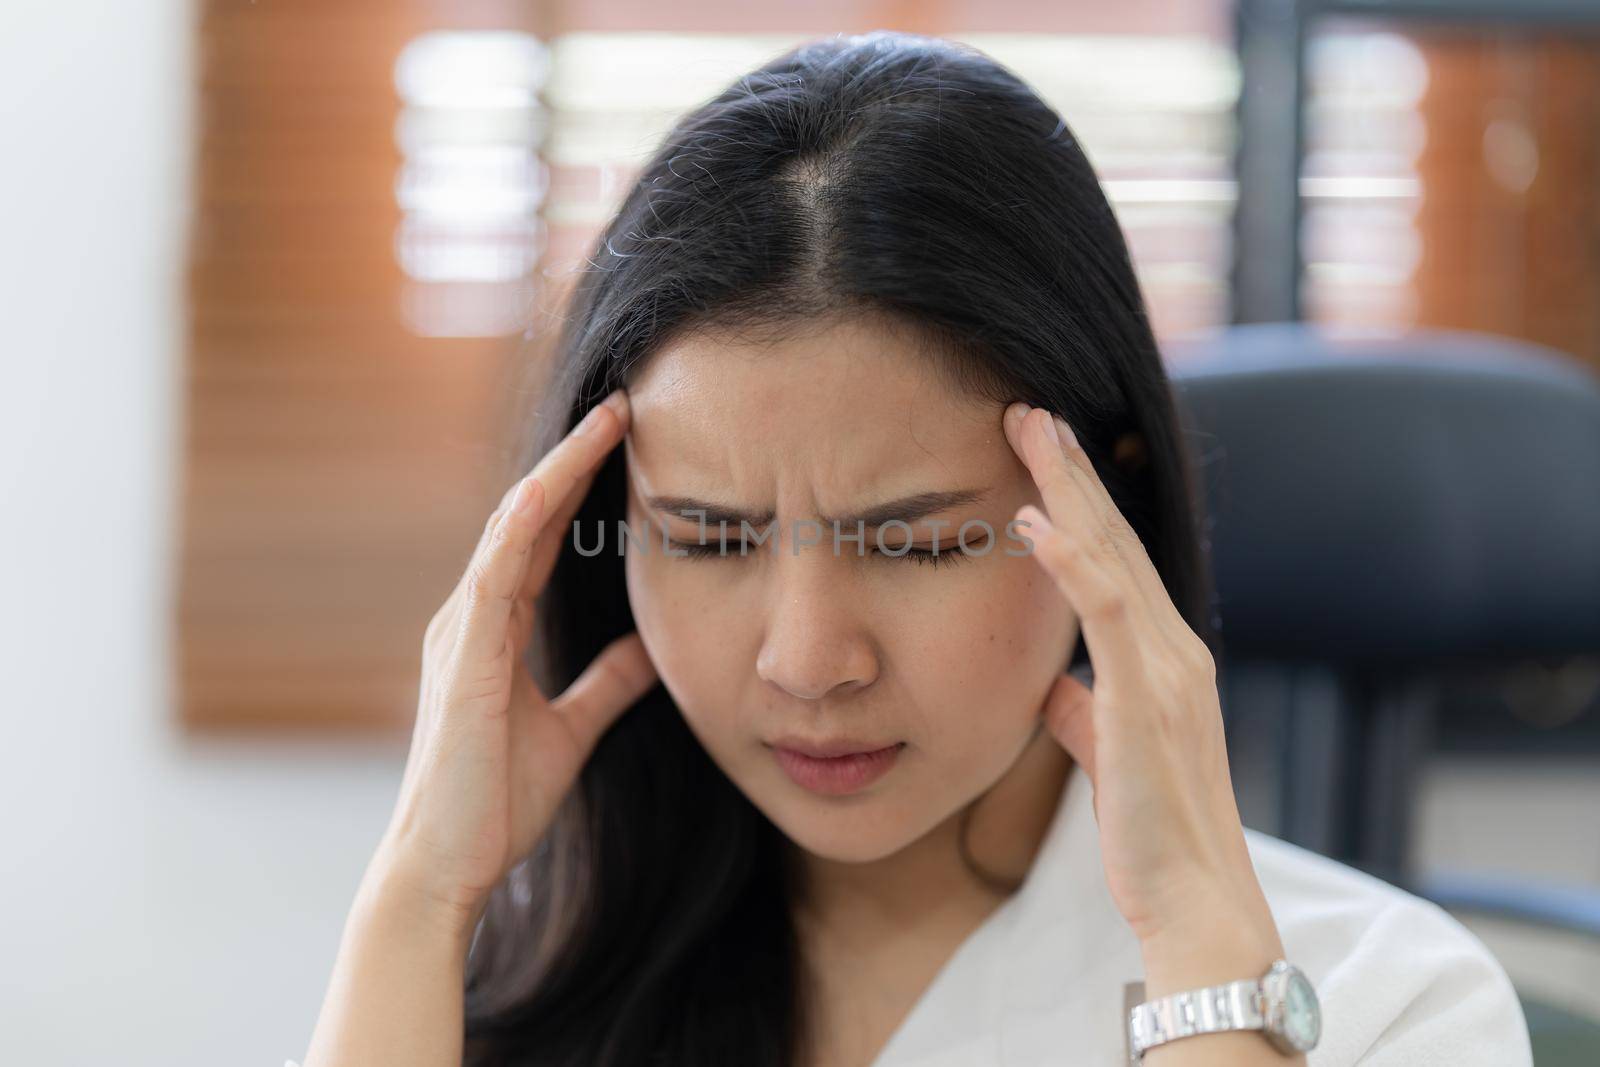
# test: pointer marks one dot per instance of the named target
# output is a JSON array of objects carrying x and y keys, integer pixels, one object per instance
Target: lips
[
  {"x": 829, "y": 748},
  {"x": 836, "y": 775}
]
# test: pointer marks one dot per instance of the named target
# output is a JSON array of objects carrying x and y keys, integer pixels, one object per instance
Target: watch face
[{"x": 1302, "y": 1016}]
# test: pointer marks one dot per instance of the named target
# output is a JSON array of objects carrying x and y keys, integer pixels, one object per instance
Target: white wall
[
  {"x": 160, "y": 903},
  {"x": 163, "y": 903}
]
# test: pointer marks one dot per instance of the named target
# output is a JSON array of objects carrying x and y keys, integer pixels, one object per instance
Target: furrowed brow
[
  {"x": 714, "y": 513},
  {"x": 907, "y": 509}
]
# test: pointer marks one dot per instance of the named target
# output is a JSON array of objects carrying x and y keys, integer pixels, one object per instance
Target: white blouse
[{"x": 1040, "y": 983}]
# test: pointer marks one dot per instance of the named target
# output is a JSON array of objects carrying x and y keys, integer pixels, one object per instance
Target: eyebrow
[{"x": 907, "y": 509}]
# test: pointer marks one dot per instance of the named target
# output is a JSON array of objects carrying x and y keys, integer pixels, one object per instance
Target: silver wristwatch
[{"x": 1281, "y": 1004}]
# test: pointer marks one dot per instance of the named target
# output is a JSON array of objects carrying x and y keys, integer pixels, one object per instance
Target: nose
[{"x": 816, "y": 643}]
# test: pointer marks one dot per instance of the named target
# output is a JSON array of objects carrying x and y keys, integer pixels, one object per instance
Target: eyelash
[{"x": 713, "y": 550}]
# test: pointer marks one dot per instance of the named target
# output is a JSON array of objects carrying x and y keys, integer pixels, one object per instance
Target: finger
[
  {"x": 560, "y": 477},
  {"x": 520, "y": 624},
  {"x": 1073, "y": 507},
  {"x": 1027, "y": 430},
  {"x": 489, "y": 527},
  {"x": 621, "y": 674},
  {"x": 568, "y": 466},
  {"x": 444, "y": 633},
  {"x": 1071, "y": 510},
  {"x": 1120, "y": 530},
  {"x": 567, "y": 472},
  {"x": 1108, "y": 609},
  {"x": 543, "y": 469},
  {"x": 541, "y": 561},
  {"x": 491, "y": 582},
  {"x": 547, "y": 550},
  {"x": 1069, "y": 714},
  {"x": 451, "y": 609}
]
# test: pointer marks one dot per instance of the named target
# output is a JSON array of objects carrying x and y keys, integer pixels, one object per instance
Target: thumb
[
  {"x": 1069, "y": 715},
  {"x": 618, "y": 677}
]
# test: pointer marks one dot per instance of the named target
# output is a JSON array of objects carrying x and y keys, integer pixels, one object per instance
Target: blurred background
[{"x": 279, "y": 276}]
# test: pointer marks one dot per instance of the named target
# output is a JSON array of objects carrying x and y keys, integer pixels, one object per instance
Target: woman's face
[{"x": 953, "y": 659}]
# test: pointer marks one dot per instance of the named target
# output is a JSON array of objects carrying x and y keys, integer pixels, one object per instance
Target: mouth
[{"x": 835, "y": 769}]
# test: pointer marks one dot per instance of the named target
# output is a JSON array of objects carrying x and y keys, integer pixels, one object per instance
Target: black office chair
[{"x": 1382, "y": 513}]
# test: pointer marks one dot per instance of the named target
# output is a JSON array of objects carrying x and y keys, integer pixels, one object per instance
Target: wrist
[
  {"x": 1224, "y": 943},
  {"x": 391, "y": 898}
]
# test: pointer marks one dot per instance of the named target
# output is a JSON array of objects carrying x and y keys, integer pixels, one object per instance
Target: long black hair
[{"x": 910, "y": 178}]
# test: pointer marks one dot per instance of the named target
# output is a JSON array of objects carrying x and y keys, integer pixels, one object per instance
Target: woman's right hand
[{"x": 491, "y": 756}]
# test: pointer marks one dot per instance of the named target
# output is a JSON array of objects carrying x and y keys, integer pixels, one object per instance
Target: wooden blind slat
[{"x": 338, "y": 465}]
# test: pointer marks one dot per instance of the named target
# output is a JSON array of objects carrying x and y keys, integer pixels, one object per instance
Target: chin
[
  {"x": 844, "y": 843},
  {"x": 861, "y": 828}
]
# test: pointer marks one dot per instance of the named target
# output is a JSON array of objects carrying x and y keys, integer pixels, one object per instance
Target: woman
[{"x": 874, "y": 282}]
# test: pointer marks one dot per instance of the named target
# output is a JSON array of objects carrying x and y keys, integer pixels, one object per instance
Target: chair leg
[
  {"x": 1313, "y": 760},
  {"x": 1398, "y": 725}
]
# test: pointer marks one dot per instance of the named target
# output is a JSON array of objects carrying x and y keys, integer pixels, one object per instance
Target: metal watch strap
[{"x": 1232, "y": 1006}]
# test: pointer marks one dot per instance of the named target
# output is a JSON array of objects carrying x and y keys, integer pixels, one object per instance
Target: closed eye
[
  {"x": 942, "y": 557},
  {"x": 945, "y": 555}
]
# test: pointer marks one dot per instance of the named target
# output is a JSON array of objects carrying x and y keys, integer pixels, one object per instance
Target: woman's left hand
[{"x": 1148, "y": 734}]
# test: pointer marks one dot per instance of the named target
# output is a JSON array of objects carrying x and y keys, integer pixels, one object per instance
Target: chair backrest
[
  {"x": 1377, "y": 508},
  {"x": 1396, "y": 500}
]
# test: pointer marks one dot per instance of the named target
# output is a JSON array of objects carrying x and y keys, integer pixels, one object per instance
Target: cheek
[
  {"x": 676, "y": 614},
  {"x": 664, "y": 620},
  {"x": 990, "y": 653}
]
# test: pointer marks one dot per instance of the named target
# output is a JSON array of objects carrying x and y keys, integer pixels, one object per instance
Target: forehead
[{"x": 855, "y": 405}]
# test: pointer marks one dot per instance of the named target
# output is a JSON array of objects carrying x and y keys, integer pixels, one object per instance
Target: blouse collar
[{"x": 1043, "y": 974}]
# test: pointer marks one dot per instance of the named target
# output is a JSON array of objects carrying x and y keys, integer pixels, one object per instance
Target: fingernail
[
  {"x": 616, "y": 401},
  {"x": 520, "y": 502},
  {"x": 1063, "y": 431},
  {"x": 1033, "y": 517},
  {"x": 1015, "y": 412},
  {"x": 1050, "y": 428}
]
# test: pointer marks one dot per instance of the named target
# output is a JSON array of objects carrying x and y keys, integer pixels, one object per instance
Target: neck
[{"x": 929, "y": 878}]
